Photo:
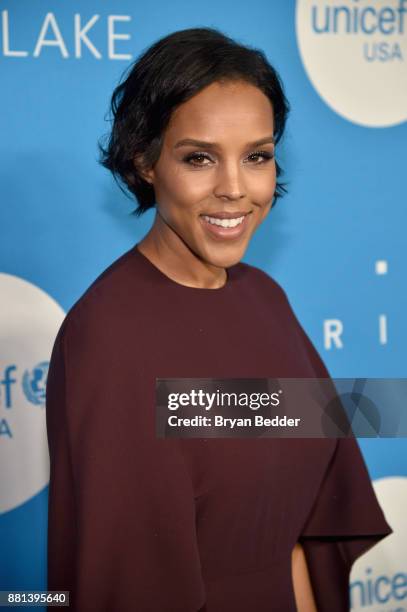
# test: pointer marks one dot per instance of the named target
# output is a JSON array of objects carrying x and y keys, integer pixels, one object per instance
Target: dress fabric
[{"x": 143, "y": 524}]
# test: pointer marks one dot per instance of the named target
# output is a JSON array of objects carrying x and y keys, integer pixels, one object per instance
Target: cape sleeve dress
[{"x": 143, "y": 524}]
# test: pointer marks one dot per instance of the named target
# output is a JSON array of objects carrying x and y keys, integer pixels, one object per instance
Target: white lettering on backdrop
[{"x": 50, "y": 35}]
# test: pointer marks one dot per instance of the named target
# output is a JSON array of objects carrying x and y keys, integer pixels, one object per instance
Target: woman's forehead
[{"x": 223, "y": 107}]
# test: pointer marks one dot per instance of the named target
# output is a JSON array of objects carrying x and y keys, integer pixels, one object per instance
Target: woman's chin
[{"x": 225, "y": 257}]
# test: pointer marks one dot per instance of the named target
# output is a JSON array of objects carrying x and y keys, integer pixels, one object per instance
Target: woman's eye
[
  {"x": 202, "y": 159},
  {"x": 265, "y": 155},
  {"x": 196, "y": 159}
]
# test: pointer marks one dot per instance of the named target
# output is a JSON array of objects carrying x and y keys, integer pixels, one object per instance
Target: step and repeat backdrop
[{"x": 336, "y": 242}]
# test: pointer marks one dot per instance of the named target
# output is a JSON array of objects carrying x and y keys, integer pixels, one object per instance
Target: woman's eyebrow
[{"x": 213, "y": 145}]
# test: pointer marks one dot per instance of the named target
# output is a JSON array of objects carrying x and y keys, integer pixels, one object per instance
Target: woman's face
[{"x": 216, "y": 163}]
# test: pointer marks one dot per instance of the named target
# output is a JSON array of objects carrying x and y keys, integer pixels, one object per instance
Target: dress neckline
[{"x": 230, "y": 273}]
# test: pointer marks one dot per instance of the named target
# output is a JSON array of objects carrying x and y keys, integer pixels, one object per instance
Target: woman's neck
[{"x": 169, "y": 253}]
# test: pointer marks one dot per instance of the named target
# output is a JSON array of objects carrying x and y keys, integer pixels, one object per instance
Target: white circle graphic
[
  {"x": 355, "y": 55},
  {"x": 379, "y": 578},
  {"x": 29, "y": 322}
]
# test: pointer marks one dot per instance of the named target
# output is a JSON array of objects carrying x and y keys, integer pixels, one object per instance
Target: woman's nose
[{"x": 230, "y": 182}]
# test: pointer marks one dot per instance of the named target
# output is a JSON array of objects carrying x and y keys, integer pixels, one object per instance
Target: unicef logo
[
  {"x": 354, "y": 52},
  {"x": 29, "y": 322},
  {"x": 378, "y": 578},
  {"x": 34, "y": 383}
]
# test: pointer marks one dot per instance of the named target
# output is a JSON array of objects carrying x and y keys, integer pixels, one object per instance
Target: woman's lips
[{"x": 228, "y": 233}]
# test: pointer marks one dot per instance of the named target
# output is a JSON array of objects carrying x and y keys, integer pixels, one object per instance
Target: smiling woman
[
  {"x": 215, "y": 189},
  {"x": 211, "y": 525}
]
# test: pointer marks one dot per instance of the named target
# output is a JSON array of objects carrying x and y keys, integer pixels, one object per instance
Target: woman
[{"x": 138, "y": 523}]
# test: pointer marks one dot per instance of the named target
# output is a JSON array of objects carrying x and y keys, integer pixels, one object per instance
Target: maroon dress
[{"x": 143, "y": 524}]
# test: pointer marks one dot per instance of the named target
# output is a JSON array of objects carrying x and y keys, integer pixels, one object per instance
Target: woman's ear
[{"x": 146, "y": 173}]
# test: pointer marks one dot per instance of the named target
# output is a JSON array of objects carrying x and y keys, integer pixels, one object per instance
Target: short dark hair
[{"x": 168, "y": 73}]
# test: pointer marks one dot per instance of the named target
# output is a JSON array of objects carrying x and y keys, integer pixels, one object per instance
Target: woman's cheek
[
  {"x": 195, "y": 187},
  {"x": 262, "y": 197},
  {"x": 175, "y": 191},
  {"x": 262, "y": 189}
]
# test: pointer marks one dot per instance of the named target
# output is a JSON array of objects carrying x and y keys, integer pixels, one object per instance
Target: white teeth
[{"x": 224, "y": 222}]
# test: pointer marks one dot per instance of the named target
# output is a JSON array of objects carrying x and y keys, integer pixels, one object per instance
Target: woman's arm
[
  {"x": 304, "y": 596},
  {"x": 121, "y": 519}
]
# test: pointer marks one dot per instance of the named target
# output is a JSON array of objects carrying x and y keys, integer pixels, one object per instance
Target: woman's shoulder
[
  {"x": 261, "y": 280},
  {"x": 111, "y": 297}
]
